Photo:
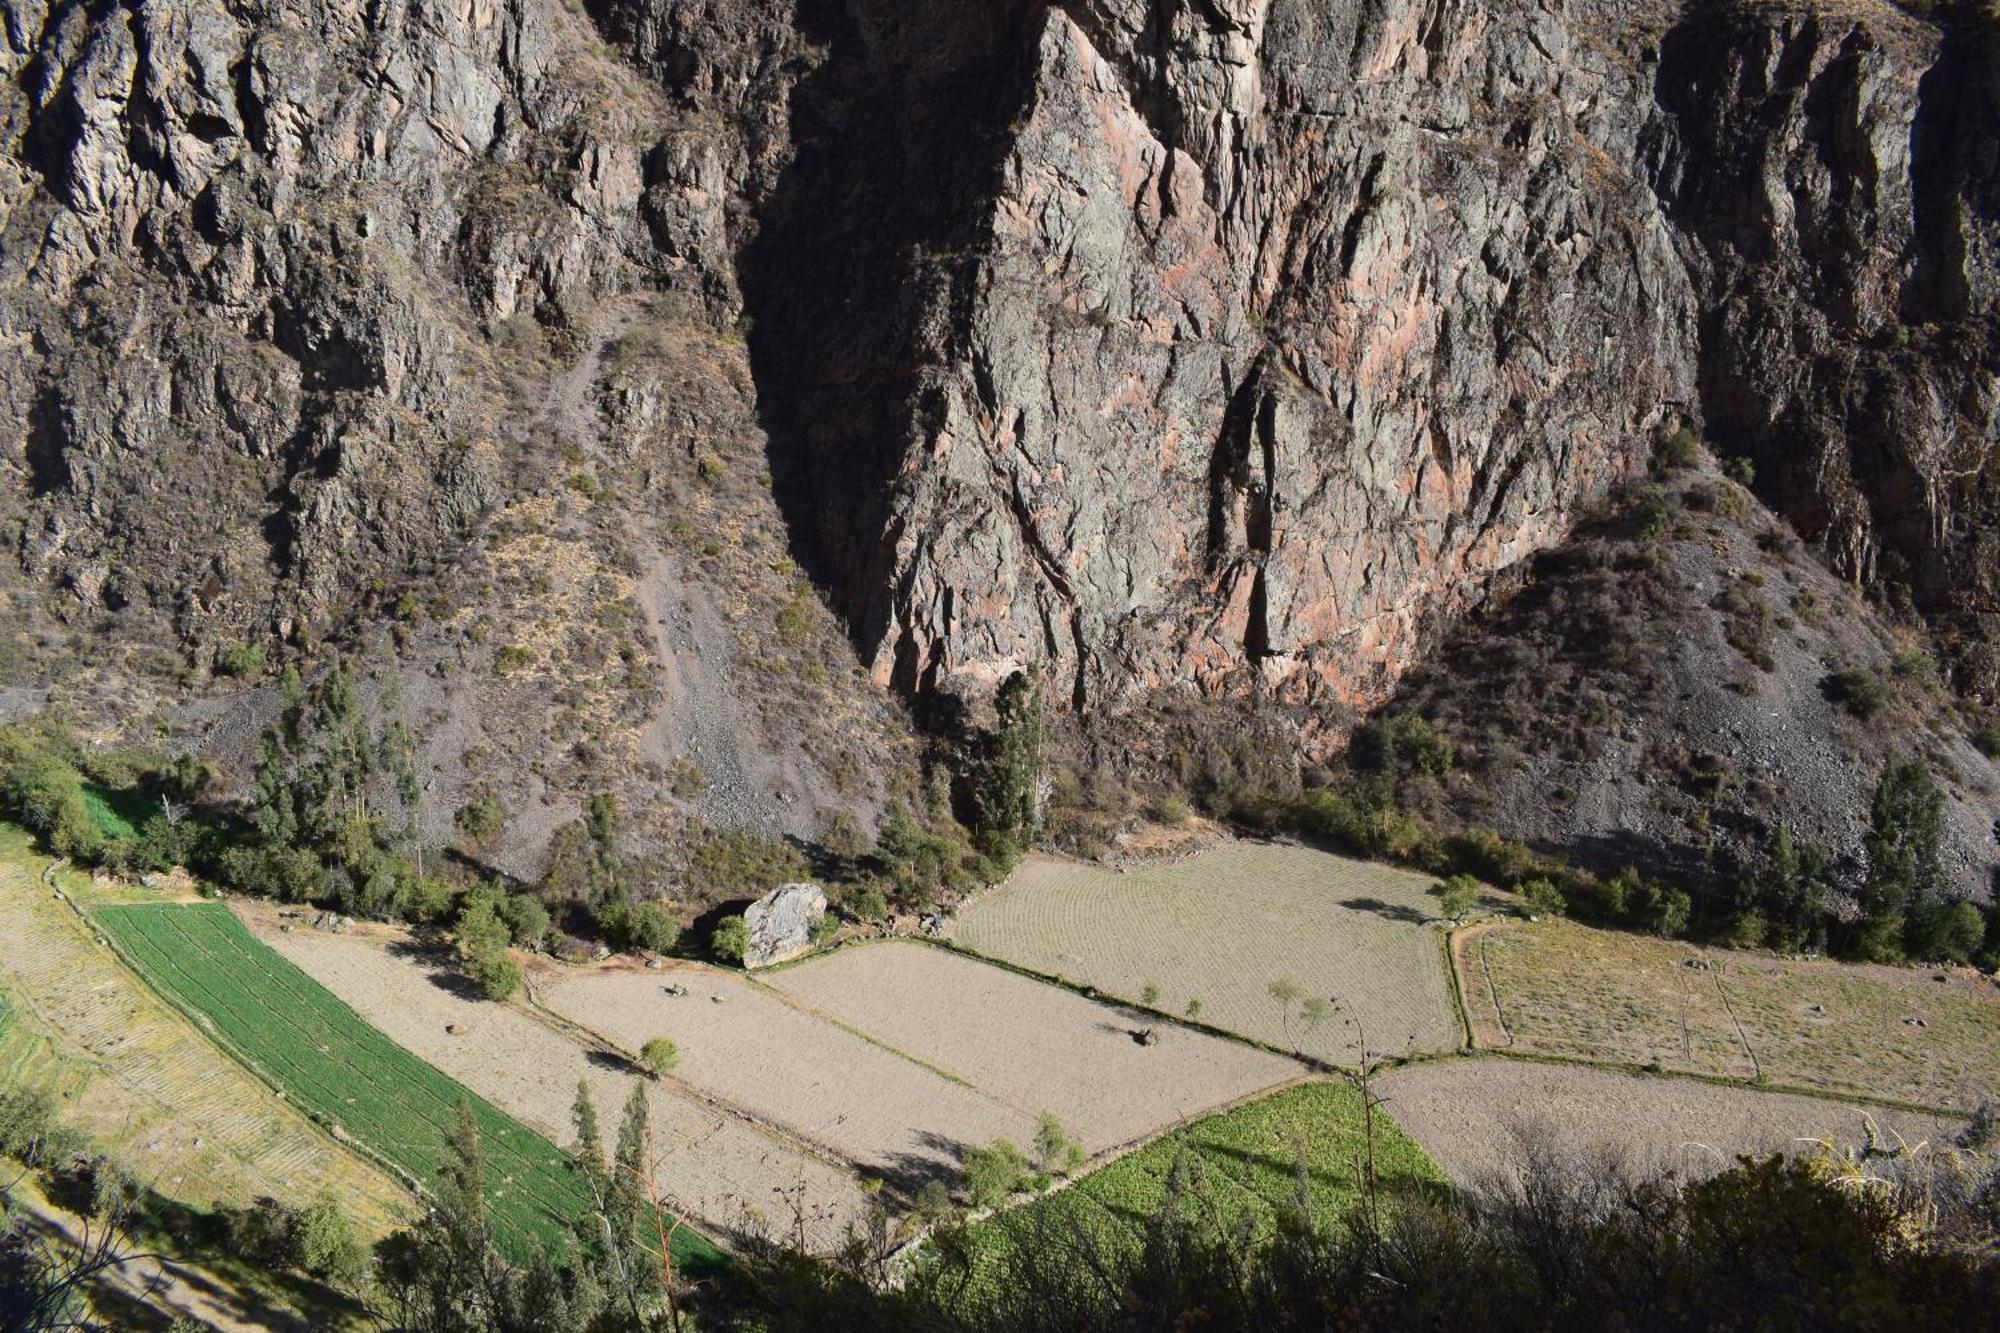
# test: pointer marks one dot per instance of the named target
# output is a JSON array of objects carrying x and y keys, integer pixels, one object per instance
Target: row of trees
[{"x": 1902, "y": 905}]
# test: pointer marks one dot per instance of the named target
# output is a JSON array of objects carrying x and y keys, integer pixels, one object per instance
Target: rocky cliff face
[
  {"x": 1236, "y": 345},
  {"x": 1193, "y": 348}
]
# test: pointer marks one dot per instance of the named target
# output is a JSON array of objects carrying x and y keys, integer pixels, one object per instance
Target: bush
[
  {"x": 866, "y": 903},
  {"x": 1457, "y": 896},
  {"x": 730, "y": 939},
  {"x": 481, "y": 819},
  {"x": 495, "y": 973},
  {"x": 1860, "y": 691},
  {"x": 44, "y": 791},
  {"x": 1542, "y": 898},
  {"x": 1987, "y": 737},
  {"x": 1174, "y": 809},
  {"x": 660, "y": 1055},
  {"x": 324, "y": 1244},
  {"x": 30, "y": 1131},
  {"x": 1655, "y": 513},
  {"x": 647, "y": 925},
  {"x": 244, "y": 659},
  {"x": 993, "y": 1172},
  {"x": 1055, "y": 1151},
  {"x": 527, "y": 919},
  {"x": 740, "y": 863},
  {"x": 1678, "y": 450}
]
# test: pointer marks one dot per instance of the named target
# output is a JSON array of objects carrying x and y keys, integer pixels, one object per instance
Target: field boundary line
[
  {"x": 1718, "y": 1080},
  {"x": 1756, "y": 1065},
  {"x": 812, "y": 1011},
  {"x": 1311, "y": 1062},
  {"x": 230, "y": 1051},
  {"x": 782, "y": 1135},
  {"x": 1447, "y": 941}
]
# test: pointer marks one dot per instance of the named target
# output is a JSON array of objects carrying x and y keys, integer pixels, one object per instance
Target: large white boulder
[{"x": 781, "y": 923}]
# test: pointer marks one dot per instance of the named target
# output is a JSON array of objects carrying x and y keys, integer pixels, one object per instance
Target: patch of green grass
[
  {"x": 342, "y": 1071},
  {"x": 118, "y": 814},
  {"x": 1241, "y": 1163}
]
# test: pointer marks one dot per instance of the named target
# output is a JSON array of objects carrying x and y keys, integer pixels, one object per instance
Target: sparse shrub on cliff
[
  {"x": 1655, "y": 513},
  {"x": 243, "y": 659},
  {"x": 1858, "y": 690},
  {"x": 1678, "y": 449}
]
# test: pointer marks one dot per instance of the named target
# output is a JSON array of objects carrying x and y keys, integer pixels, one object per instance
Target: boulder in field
[{"x": 781, "y": 923}]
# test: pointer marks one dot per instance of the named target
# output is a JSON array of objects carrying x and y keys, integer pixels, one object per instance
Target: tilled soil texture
[
  {"x": 1481, "y": 1116},
  {"x": 727, "y": 1173},
  {"x": 1216, "y": 932},
  {"x": 1030, "y": 1045},
  {"x": 782, "y": 1063}
]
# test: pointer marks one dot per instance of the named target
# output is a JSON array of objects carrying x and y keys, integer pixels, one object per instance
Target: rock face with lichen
[
  {"x": 1199, "y": 350},
  {"x": 782, "y": 922}
]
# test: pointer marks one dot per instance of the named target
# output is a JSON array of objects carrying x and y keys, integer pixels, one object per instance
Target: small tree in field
[
  {"x": 993, "y": 1172},
  {"x": 660, "y": 1055},
  {"x": 1286, "y": 992},
  {"x": 1457, "y": 897},
  {"x": 1055, "y": 1151},
  {"x": 1149, "y": 994}
]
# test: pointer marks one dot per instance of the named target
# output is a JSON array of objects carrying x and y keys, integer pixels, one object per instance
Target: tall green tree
[
  {"x": 1007, "y": 793},
  {"x": 1905, "y": 880}
]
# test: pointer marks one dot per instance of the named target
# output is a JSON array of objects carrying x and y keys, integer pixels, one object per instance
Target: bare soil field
[
  {"x": 142, "y": 1082},
  {"x": 753, "y": 1047},
  {"x": 1907, "y": 1034},
  {"x": 1476, "y": 1116},
  {"x": 1221, "y": 926},
  {"x": 1030, "y": 1045},
  {"x": 730, "y": 1175}
]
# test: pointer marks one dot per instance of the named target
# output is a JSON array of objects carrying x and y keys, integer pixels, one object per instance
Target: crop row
[
  {"x": 1244, "y": 1163},
  {"x": 333, "y": 1064}
]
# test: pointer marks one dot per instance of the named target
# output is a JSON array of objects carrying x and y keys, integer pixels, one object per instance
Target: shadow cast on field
[
  {"x": 906, "y": 1173},
  {"x": 1390, "y": 911},
  {"x": 614, "y": 1062},
  {"x": 455, "y": 984}
]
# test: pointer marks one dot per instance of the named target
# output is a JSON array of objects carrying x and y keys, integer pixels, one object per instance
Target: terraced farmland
[
  {"x": 139, "y": 1078},
  {"x": 1241, "y": 1163},
  {"x": 1219, "y": 928},
  {"x": 718, "y": 1166},
  {"x": 1029, "y": 1045},
  {"x": 332, "y": 1063},
  {"x": 1913, "y": 1034}
]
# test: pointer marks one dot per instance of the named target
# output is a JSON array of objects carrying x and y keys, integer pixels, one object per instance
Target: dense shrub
[
  {"x": 993, "y": 1172},
  {"x": 731, "y": 938},
  {"x": 1860, "y": 691}
]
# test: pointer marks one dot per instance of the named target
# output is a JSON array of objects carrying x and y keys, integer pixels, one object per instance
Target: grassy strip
[
  {"x": 1241, "y": 1167},
  {"x": 341, "y": 1070},
  {"x": 117, "y": 814}
]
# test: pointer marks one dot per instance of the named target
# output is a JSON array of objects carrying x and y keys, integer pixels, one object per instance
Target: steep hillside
[
  {"x": 638, "y": 373},
  {"x": 1670, "y": 686}
]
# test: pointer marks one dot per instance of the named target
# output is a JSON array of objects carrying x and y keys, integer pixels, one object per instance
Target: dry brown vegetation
[{"x": 1916, "y": 1035}]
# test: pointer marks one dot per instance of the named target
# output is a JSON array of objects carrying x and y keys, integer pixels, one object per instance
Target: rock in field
[{"x": 781, "y": 923}]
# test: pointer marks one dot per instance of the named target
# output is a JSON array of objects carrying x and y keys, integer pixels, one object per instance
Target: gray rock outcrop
[
  {"x": 1200, "y": 350},
  {"x": 781, "y": 923}
]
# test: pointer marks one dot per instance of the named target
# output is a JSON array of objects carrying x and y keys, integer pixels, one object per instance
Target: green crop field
[
  {"x": 345, "y": 1073},
  {"x": 1240, "y": 1163}
]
